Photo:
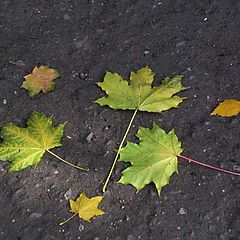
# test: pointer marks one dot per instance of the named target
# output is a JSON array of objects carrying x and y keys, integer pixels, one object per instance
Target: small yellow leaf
[
  {"x": 86, "y": 207},
  {"x": 41, "y": 79},
  {"x": 227, "y": 108}
]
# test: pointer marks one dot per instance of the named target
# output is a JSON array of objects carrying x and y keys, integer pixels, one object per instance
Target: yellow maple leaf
[
  {"x": 227, "y": 108},
  {"x": 41, "y": 79},
  {"x": 85, "y": 207}
]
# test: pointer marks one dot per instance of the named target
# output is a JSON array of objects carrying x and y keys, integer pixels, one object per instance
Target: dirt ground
[{"x": 83, "y": 39}]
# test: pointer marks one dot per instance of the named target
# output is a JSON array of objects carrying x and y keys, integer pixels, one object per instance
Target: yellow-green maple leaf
[
  {"x": 85, "y": 207},
  {"x": 24, "y": 147},
  {"x": 154, "y": 159},
  {"x": 139, "y": 94},
  {"x": 41, "y": 79}
]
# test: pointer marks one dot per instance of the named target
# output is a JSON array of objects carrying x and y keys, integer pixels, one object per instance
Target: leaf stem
[
  {"x": 63, "y": 222},
  {"x": 118, "y": 151},
  {"x": 65, "y": 161},
  {"x": 209, "y": 166},
  {"x": 19, "y": 65}
]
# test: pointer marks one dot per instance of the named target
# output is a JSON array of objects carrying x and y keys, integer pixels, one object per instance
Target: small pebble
[
  {"x": 37, "y": 185},
  {"x": 4, "y": 101},
  {"x": 82, "y": 75},
  {"x": 181, "y": 44},
  {"x": 35, "y": 215},
  {"x": 68, "y": 194},
  {"x": 130, "y": 237},
  {"x": 89, "y": 137},
  {"x": 182, "y": 211},
  {"x": 146, "y": 52},
  {"x": 74, "y": 74},
  {"x": 81, "y": 228},
  {"x": 66, "y": 16},
  {"x": 236, "y": 168}
]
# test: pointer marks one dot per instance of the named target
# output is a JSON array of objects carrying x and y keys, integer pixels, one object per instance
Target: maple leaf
[
  {"x": 41, "y": 79},
  {"x": 154, "y": 159},
  {"x": 85, "y": 207},
  {"x": 140, "y": 94},
  {"x": 227, "y": 108},
  {"x": 24, "y": 147}
]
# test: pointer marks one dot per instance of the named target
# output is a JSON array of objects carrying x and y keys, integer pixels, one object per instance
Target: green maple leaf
[
  {"x": 24, "y": 147},
  {"x": 154, "y": 159},
  {"x": 139, "y": 94}
]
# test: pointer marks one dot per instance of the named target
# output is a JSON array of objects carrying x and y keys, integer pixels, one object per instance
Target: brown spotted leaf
[{"x": 41, "y": 79}]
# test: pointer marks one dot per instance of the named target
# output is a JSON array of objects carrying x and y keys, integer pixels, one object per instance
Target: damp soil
[{"x": 83, "y": 39}]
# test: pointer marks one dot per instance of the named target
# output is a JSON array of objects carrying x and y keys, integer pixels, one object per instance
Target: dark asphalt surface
[{"x": 82, "y": 39}]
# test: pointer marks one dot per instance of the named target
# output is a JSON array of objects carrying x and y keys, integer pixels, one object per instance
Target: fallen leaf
[
  {"x": 227, "y": 108},
  {"x": 41, "y": 79},
  {"x": 85, "y": 207},
  {"x": 154, "y": 159},
  {"x": 24, "y": 147},
  {"x": 140, "y": 94}
]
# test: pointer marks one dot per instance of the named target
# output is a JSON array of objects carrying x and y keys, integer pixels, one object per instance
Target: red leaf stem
[{"x": 209, "y": 166}]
